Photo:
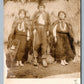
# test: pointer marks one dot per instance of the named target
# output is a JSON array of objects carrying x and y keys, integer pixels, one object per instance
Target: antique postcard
[{"x": 42, "y": 40}]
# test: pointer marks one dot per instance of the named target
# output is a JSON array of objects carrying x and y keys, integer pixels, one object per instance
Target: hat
[{"x": 41, "y": 4}]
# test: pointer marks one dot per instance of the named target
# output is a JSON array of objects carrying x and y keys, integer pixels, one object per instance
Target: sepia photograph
[{"x": 42, "y": 39}]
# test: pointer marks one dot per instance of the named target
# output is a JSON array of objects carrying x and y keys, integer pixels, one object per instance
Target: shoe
[
  {"x": 65, "y": 62},
  {"x": 17, "y": 64},
  {"x": 44, "y": 63},
  {"x": 21, "y": 63},
  {"x": 35, "y": 62},
  {"x": 62, "y": 62}
]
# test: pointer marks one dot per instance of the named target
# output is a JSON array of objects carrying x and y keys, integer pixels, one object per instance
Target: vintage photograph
[{"x": 42, "y": 38}]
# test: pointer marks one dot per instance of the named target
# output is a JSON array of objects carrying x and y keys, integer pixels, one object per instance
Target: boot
[
  {"x": 44, "y": 63},
  {"x": 17, "y": 63},
  {"x": 65, "y": 62},
  {"x": 35, "y": 62},
  {"x": 62, "y": 62},
  {"x": 20, "y": 62}
]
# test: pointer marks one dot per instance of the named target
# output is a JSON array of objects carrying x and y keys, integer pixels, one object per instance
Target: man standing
[{"x": 41, "y": 30}]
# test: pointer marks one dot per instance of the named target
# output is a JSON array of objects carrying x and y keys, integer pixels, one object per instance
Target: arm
[
  {"x": 34, "y": 19},
  {"x": 29, "y": 29},
  {"x": 53, "y": 30},
  {"x": 48, "y": 24}
]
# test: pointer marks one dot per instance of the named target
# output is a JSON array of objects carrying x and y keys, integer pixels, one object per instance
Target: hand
[
  {"x": 28, "y": 38},
  {"x": 55, "y": 39},
  {"x": 47, "y": 33},
  {"x": 34, "y": 31}
]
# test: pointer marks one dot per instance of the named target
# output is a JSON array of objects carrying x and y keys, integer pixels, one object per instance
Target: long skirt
[
  {"x": 22, "y": 48},
  {"x": 63, "y": 48}
]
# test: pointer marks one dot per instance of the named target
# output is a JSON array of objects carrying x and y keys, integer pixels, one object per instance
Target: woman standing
[
  {"x": 63, "y": 37},
  {"x": 19, "y": 31}
]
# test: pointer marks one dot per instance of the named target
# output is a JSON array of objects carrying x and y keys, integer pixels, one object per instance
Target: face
[
  {"x": 62, "y": 16},
  {"x": 22, "y": 14},
  {"x": 41, "y": 8}
]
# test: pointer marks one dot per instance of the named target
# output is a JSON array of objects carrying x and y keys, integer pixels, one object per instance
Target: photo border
[
  {"x": 82, "y": 41},
  {"x": 2, "y": 41}
]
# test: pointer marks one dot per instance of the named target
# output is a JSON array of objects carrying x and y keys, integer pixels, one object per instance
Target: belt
[
  {"x": 63, "y": 32},
  {"x": 21, "y": 35}
]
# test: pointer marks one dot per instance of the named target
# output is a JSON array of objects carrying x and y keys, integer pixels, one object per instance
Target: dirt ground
[{"x": 31, "y": 71}]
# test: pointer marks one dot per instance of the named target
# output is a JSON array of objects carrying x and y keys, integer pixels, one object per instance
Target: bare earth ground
[{"x": 30, "y": 71}]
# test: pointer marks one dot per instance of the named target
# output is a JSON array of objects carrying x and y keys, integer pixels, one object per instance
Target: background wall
[{"x": 71, "y": 7}]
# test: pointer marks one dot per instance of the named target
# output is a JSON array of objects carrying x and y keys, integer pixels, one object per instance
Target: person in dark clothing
[
  {"x": 20, "y": 29},
  {"x": 41, "y": 30},
  {"x": 64, "y": 41}
]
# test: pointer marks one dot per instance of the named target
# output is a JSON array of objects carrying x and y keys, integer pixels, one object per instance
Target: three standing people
[{"x": 41, "y": 27}]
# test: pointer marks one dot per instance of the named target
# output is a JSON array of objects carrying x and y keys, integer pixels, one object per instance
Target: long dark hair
[{"x": 61, "y": 12}]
